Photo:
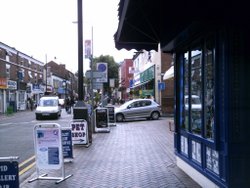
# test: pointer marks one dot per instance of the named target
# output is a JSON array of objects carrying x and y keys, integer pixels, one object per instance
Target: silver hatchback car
[{"x": 138, "y": 108}]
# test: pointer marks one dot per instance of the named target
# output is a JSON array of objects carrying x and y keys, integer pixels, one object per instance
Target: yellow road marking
[
  {"x": 26, "y": 168},
  {"x": 26, "y": 161}
]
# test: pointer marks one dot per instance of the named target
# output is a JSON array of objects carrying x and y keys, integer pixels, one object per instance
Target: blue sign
[
  {"x": 67, "y": 143},
  {"x": 9, "y": 174},
  {"x": 161, "y": 86}
]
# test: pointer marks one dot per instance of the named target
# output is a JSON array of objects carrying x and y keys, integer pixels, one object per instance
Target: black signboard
[
  {"x": 101, "y": 118},
  {"x": 67, "y": 143},
  {"x": 111, "y": 113},
  {"x": 9, "y": 174}
]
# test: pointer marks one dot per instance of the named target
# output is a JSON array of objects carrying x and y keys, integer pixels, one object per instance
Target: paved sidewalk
[{"x": 136, "y": 154}]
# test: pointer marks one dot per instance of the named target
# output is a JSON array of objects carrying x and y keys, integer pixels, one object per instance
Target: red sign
[{"x": 3, "y": 83}]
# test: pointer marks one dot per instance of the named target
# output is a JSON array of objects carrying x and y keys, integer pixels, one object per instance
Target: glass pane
[
  {"x": 209, "y": 88},
  {"x": 212, "y": 160},
  {"x": 186, "y": 91},
  {"x": 196, "y": 151},
  {"x": 196, "y": 91}
]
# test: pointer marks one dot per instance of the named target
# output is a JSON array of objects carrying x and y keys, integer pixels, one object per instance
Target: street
[{"x": 16, "y": 136}]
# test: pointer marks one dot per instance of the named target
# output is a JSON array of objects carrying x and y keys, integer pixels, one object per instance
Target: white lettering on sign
[
  {"x": 7, "y": 177},
  {"x": 3, "y": 168}
]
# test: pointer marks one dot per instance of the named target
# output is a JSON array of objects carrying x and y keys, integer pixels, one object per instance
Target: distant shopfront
[{"x": 144, "y": 83}]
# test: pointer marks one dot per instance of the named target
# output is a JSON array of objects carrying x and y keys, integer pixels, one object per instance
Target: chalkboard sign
[
  {"x": 67, "y": 143},
  {"x": 9, "y": 174},
  {"x": 101, "y": 117},
  {"x": 111, "y": 113}
]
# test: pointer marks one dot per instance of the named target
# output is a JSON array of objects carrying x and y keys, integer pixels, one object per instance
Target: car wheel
[
  {"x": 119, "y": 117},
  {"x": 155, "y": 115}
]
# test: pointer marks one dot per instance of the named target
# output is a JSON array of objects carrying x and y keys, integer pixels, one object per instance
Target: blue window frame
[{"x": 196, "y": 106}]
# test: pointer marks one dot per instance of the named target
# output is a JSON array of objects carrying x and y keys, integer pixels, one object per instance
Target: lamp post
[{"x": 64, "y": 87}]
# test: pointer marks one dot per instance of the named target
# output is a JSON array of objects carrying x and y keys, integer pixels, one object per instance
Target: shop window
[
  {"x": 198, "y": 89},
  {"x": 185, "y": 123},
  {"x": 212, "y": 160},
  {"x": 184, "y": 145},
  {"x": 196, "y": 151},
  {"x": 209, "y": 87}
]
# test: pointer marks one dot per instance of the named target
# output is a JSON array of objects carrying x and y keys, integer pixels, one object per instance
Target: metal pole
[
  {"x": 46, "y": 74},
  {"x": 80, "y": 51},
  {"x": 91, "y": 77}
]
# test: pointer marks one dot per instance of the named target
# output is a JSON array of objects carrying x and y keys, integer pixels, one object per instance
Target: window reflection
[
  {"x": 196, "y": 91},
  {"x": 186, "y": 88},
  {"x": 209, "y": 87}
]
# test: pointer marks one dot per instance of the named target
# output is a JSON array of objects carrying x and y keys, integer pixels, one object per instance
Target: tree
[{"x": 113, "y": 68}]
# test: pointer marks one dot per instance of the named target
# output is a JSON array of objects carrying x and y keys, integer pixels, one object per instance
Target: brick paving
[{"x": 137, "y": 154}]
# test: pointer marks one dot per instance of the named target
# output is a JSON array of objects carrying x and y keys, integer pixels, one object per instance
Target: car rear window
[{"x": 48, "y": 102}]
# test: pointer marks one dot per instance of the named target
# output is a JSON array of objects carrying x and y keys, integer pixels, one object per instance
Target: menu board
[{"x": 101, "y": 117}]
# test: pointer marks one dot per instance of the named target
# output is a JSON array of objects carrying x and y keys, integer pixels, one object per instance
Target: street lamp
[{"x": 64, "y": 83}]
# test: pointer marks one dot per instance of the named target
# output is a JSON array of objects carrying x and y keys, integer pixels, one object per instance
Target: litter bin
[
  {"x": 12, "y": 104},
  {"x": 81, "y": 111}
]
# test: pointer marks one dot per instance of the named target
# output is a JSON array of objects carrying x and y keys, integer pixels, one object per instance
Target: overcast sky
[{"x": 40, "y": 27}]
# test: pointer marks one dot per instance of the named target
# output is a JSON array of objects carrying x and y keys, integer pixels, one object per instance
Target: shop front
[
  {"x": 144, "y": 84},
  {"x": 212, "y": 93},
  {"x": 3, "y": 87}
]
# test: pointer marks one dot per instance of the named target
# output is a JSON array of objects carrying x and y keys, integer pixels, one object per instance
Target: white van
[{"x": 48, "y": 106}]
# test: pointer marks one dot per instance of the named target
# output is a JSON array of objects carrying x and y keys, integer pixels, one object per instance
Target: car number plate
[{"x": 45, "y": 114}]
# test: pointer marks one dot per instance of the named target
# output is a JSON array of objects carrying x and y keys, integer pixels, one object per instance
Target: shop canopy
[
  {"x": 169, "y": 73},
  {"x": 143, "y": 24}
]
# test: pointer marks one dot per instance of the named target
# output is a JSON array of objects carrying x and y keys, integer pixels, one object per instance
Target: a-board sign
[
  {"x": 67, "y": 143},
  {"x": 79, "y": 130},
  {"x": 111, "y": 113},
  {"x": 48, "y": 144},
  {"x": 101, "y": 118},
  {"x": 9, "y": 174}
]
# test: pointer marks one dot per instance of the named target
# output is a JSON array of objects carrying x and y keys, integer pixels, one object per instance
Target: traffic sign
[
  {"x": 97, "y": 85},
  {"x": 96, "y": 74}
]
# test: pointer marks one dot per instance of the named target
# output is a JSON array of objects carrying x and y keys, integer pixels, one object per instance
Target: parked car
[
  {"x": 48, "y": 106},
  {"x": 138, "y": 108},
  {"x": 195, "y": 103}
]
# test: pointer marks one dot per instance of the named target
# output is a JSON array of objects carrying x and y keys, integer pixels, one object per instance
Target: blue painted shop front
[
  {"x": 212, "y": 107},
  {"x": 210, "y": 46}
]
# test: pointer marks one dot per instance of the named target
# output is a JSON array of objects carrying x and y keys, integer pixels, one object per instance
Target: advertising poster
[
  {"x": 48, "y": 148},
  {"x": 79, "y": 130}
]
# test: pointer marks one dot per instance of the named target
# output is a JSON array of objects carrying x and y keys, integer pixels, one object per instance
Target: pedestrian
[{"x": 31, "y": 104}]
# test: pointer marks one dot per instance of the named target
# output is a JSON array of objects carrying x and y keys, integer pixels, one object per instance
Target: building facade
[
  {"x": 21, "y": 79},
  {"x": 212, "y": 94},
  {"x": 125, "y": 75}
]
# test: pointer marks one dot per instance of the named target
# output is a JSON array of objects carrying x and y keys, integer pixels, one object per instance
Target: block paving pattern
[{"x": 138, "y": 154}]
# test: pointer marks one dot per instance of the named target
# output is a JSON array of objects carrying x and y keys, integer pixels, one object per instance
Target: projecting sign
[{"x": 96, "y": 74}]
